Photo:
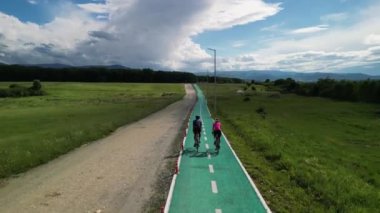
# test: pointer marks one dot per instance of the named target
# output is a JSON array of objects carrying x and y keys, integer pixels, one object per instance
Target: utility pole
[
  {"x": 207, "y": 85},
  {"x": 214, "y": 79}
]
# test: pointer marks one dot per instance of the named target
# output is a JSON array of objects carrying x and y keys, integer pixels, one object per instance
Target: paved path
[{"x": 211, "y": 182}]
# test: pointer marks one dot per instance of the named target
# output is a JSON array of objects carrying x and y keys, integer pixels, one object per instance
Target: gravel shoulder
[{"x": 114, "y": 174}]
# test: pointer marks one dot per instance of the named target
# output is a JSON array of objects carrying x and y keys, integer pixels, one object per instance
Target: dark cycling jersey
[{"x": 197, "y": 126}]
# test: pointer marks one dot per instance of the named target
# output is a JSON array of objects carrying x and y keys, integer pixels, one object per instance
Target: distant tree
[
  {"x": 278, "y": 82},
  {"x": 267, "y": 80},
  {"x": 291, "y": 85},
  {"x": 36, "y": 85}
]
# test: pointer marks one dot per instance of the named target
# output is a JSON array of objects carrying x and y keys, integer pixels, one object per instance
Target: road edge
[
  {"x": 163, "y": 188},
  {"x": 245, "y": 171},
  {"x": 166, "y": 207}
]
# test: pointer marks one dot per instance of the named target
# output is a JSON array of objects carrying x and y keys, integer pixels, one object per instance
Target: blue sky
[
  {"x": 291, "y": 35},
  {"x": 295, "y": 14}
]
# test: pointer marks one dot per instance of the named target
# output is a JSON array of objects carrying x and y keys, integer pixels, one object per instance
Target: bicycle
[
  {"x": 197, "y": 140},
  {"x": 217, "y": 142}
]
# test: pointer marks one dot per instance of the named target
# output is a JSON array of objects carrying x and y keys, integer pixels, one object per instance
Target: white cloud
[
  {"x": 32, "y": 1},
  {"x": 152, "y": 37},
  {"x": 94, "y": 7},
  {"x": 32, "y": 43},
  {"x": 102, "y": 17},
  {"x": 338, "y": 48},
  {"x": 303, "y": 61},
  {"x": 313, "y": 29},
  {"x": 271, "y": 28},
  {"x": 144, "y": 32},
  {"x": 151, "y": 33},
  {"x": 372, "y": 39},
  {"x": 239, "y": 44},
  {"x": 224, "y": 14},
  {"x": 334, "y": 17}
]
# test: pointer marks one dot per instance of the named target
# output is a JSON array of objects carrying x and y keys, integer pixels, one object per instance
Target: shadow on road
[{"x": 192, "y": 152}]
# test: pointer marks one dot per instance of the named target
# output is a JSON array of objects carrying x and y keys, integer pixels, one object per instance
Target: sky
[{"x": 287, "y": 35}]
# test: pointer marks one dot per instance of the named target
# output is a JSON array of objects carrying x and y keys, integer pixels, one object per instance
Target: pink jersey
[{"x": 217, "y": 126}]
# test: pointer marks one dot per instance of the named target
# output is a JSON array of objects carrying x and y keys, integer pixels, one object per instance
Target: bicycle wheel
[
  {"x": 196, "y": 141},
  {"x": 217, "y": 143}
]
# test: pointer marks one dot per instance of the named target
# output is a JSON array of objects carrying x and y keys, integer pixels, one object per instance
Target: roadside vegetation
[
  {"x": 37, "y": 129},
  {"x": 306, "y": 154},
  {"x": 16, "y": 90},
  {"x": 363, "y": 91}
]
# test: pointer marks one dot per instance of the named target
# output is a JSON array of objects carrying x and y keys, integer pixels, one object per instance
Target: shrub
[
  {"x": 261, "y": 111},
  {"x": 275, "y": 95},
  {"x": 253, "y": 88},
  {"x": 12, "y": 86},
  {"x": 246, "y": 98},
  {"x": 16, "y": 90},
  {"x": 4, "y": 93},
  {"x": 36, "y": 85}
]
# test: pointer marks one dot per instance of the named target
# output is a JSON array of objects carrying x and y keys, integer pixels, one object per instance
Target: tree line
[
  {"x": 219, "y": 80},
  {"x": 92, "y": 74},
  {"x": 365, "y": 91}
]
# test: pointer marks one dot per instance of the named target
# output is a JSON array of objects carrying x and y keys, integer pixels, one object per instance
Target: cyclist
[
  {"x": 197, "y": 129},
  {"x": 217, "y": 132}
]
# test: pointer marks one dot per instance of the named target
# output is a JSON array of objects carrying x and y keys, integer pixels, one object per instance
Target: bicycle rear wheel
[
  {"x": 217, "y": 144},
  {"x": 197, "y": 141}
]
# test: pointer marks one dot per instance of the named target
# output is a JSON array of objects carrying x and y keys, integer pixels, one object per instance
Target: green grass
[
  {"x": 306, "y": 154},
  {"x": 35, "y": 130}
]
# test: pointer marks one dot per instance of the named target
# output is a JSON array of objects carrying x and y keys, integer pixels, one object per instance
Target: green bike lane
[{"x": 208, "y": 181}]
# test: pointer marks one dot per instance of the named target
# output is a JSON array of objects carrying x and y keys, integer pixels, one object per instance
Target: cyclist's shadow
[{"x": 192, "y": 152}]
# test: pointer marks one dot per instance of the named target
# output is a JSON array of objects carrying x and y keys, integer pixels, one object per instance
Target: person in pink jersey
[{"x": 217, "y": 132}]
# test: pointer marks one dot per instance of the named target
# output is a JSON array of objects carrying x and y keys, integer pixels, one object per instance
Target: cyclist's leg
[
  {"x": 215, "y": 133},
  {"x": 218, "y": 135},
  {"x": 197, "y": 141},
  {"x": 195, "y": 138}
]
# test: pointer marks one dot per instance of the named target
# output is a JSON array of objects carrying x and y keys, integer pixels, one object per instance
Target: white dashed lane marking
[
  {"x": 211, "y": 168},
  {"x": 206, "y": 146},
  {"x": 208, "y": 156},
  {"x": 214, "y": 187},
  {"x": 218, "y": 211},
  {"x": 205, "y": 138}
]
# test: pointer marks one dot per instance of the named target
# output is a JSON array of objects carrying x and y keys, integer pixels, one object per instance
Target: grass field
[
  {"x": 306, "y": 154},
  {"x": 34, "y": 130}
]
